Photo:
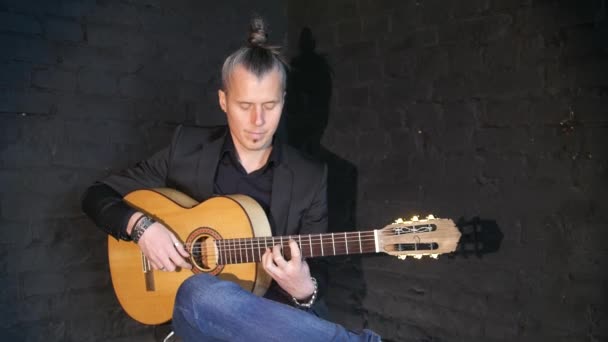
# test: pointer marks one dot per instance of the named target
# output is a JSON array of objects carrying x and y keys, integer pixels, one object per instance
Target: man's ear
[{"x": 222, "y": 99}]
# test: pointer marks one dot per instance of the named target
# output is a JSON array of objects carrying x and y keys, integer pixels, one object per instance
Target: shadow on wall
[
  {"x": 479, "y": 237},
  {"x": 307, "y": 111}
]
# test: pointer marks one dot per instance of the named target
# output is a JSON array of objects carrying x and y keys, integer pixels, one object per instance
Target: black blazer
[{"x": 298, "y": 202}]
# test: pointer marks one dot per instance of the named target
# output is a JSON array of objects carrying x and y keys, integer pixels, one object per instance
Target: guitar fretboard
[{"x": 236, "y": 251}]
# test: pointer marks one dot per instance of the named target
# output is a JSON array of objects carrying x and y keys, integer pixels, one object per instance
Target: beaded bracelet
[{"x": 312, "y": 298}]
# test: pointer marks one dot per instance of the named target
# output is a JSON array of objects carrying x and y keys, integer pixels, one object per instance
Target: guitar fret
[
  {"x": 333, "y": 243},
  {"x": 234, "y": 249},
  {"x": 223, "y": 251},
  {"x": 310, "y": 245},
  {"x": 252, "y": 252},
  {"x": 346, "y": 242},
  {"x": 360, "y": 249},
  {"x": 321, "y": 239},
  {"x": 219, "y": 256},
  {"x": 300, "y": 244}
]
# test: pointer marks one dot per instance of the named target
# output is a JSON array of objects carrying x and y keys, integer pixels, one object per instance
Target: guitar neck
[{"x": 236, "y": 251}]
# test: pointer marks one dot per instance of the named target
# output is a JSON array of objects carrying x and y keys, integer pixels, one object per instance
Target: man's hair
[{"x": 256, "y": 56}]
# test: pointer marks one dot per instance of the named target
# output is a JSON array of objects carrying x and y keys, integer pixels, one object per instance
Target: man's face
[{"x": 253, "y": 107}]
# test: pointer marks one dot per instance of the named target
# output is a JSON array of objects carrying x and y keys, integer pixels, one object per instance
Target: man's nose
[{"x": 257, "y": 115}]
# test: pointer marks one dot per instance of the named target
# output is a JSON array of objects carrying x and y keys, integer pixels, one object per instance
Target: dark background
[{"x": 490, "y": 112}]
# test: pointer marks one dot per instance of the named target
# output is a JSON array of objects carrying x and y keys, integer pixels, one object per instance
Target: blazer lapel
[
  {"x": 280, "y": 198},
  {"x": 207, "y": 166}
]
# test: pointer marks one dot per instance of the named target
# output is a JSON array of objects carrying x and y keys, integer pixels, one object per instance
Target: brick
[
  {"x": 55, "y": 79},
  {"x": 43, "y": 284},
  {"x": 39, "y": 330},
  {"x": 138, "y": 88},
  {"x": 432, "y": 64},
  {"x": 353, "y": 97},
  {"x": 63, "y": 30},
  {"x": 536, "y": 19},
  {"x": 349, "y": 31},
  {"x": 159, "y": 22},
  {"x": 25, "y": 49},
  {"x": 96, "y": 107},
  {"x": 453, "y": 87},
  {"x": 124, "y": 38},
  {"x": 15, "y": 75},
  {"x": 509, "y": 83},
  {"x": 10, "y": 129},
  {"x": 66, "y": 8},
  {"x": 414, "y": 39},
  {"x": 464, "y": 60},
  {"x": 25, "y": 155},
  {"x": 95, "y": 59},
  {"x": 502, "y": 54},
  {"x": 116, "y": 325},
  {"x": 26, "y": 104},
  {"x": 479, "y": 30},
  {"x": 98, "y": 82},
  {"x": 116, "y": 13},
  {"x": 393, "y": 330},
  {"x": 18, "y": 23}
]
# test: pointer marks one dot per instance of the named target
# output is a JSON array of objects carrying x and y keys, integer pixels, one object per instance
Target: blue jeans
[{"x": 210, "y": 309}]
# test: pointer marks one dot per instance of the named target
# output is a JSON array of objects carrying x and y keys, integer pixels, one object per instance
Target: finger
[
  {"x": 178, "y": 260},
  {"x": 296, "y": 255},
  {"x": 277, "y": 257},
  {"x": 156, "y": 265},
  {"x": 167, "y": 265},
  {"x": 267, "y": 262},
  {"x": 180, "y": 247}
]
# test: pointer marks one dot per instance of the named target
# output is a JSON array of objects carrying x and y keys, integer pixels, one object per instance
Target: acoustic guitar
[{"x": 226, "y": 236}]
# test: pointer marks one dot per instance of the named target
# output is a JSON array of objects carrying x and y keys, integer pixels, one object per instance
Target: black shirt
[{"x": 232, "y": 178}]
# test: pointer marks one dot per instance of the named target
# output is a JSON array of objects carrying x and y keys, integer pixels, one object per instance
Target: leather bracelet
[
  {"x": 313, "y": 297},
  {"x": 140, "y": 226}
]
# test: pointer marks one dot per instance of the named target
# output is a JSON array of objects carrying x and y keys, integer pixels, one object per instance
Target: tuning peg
[
  {"x": 434, "y": 256},
  {"x": 402, "y": 257},
  {"x": 415, "y": 218},
  {"x": 418, "y": 256},
  {"x": 430, "y": 217}
]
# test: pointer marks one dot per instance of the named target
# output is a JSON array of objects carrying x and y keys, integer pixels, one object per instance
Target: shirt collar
[{"x": 275, "y": 155}]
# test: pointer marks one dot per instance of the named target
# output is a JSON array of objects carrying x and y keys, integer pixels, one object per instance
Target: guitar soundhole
[
  {"x": 416, "y": 246},
  {"x": 203, "y": 251}
]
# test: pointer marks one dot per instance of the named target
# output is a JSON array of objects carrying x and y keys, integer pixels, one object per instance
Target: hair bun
[{"x": 257, "y": 33}]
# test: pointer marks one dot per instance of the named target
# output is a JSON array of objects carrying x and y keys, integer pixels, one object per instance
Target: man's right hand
[{"x": 163, "y": 249}]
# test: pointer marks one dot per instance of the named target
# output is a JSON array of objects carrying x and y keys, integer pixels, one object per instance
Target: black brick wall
[
  {"x": 489, "y": 112},
  {"x": 87, "y": 87}
]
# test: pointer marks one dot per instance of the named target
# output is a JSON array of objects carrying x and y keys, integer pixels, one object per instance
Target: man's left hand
[{"x": 293, "y": 275}]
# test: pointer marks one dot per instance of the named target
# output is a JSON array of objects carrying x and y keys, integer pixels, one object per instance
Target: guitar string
[
  {"x": 234, "y": 247},
  {"x": 317, "y": 240},
  {"x": 237, "y": 254},
  {"x": 231, "y": 251},
  {"x": 235, "y": 244}
]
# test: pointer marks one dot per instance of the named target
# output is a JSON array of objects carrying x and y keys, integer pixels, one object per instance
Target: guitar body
[{"x": 148, "y": 296}]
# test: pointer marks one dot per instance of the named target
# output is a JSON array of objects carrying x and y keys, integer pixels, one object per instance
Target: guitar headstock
[{"x": 419, "y": 237}]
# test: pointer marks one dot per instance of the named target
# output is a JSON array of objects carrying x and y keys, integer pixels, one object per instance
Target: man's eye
[
  {"x": 245, "y": 106},
  {"x": 269, "y": 106}
]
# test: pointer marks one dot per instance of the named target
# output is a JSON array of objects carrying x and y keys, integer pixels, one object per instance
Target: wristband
[{"x": 140, "y": 226}]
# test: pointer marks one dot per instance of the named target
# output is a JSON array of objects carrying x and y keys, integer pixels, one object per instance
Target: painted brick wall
[
  {"x": 489, "y": 112},
  {"x": 87, "y": 87}
]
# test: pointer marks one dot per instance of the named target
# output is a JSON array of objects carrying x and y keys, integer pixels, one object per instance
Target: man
[{"x": 243, "y": 158}]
